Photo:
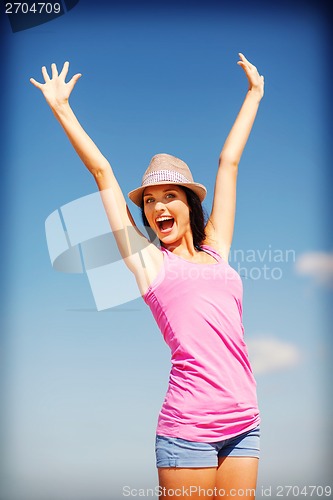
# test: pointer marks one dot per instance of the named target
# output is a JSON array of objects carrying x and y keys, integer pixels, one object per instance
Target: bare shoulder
[{"x": 147, "y": 265}]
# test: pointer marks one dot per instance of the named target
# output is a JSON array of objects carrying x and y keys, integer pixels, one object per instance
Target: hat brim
[{"x": 136, "y": 194}]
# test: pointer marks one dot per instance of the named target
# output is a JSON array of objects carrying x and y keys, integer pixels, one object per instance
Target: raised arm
[
  {"x": 220, "y": 226},
  {"x": 129, "y": 240}
]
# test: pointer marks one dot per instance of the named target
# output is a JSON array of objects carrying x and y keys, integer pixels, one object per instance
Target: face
[{"x": 167, "y": 212}]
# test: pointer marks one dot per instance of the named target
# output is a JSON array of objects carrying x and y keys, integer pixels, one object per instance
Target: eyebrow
[{"x": 164, "y": 191}]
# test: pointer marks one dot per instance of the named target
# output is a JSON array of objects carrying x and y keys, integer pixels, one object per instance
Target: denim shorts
[{"x": 177, "y": 452}]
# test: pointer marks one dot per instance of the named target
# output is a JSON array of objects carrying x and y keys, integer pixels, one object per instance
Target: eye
[
  {"x": 149, "y": 200},
  {"x": 170, "y": 195}
]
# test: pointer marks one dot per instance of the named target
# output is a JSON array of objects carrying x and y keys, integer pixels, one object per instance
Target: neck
[{"x": 184, "y": 247}]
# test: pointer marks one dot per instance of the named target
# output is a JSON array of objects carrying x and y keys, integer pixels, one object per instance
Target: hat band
[{"x": 165, "y": 175}]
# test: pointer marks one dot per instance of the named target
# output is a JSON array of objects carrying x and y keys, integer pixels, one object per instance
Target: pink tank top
[{"x": 212, "y": 392}]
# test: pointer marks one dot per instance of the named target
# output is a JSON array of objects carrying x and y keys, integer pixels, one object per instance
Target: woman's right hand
[{"x": 55, "y": 90}]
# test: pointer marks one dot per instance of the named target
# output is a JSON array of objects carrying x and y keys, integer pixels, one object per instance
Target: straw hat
[{"x": 166, "y": 169}]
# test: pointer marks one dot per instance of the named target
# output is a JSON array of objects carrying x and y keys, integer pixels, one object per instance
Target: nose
[{"x": 159, "y": 206}]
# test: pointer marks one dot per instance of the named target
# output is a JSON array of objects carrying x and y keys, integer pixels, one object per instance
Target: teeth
[{"x": 161, "y": 219}]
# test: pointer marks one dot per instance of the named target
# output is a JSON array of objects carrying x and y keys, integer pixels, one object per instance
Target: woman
[{"x": 207, "y": 440}]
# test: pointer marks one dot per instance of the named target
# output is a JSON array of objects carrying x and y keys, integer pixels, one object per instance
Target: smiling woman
[
  {"x": 167, "y": 212},
  {"x": 208, "y": 428},
  {"x": 197, "y": 216}
]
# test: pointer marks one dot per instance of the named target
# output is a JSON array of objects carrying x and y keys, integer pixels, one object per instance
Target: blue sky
[{"x": 83, "y": 387}]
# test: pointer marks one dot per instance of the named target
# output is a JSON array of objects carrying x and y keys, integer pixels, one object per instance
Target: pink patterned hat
[{"x": 167, "y": 169}]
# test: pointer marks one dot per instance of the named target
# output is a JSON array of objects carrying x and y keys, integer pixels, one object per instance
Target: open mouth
[{"x": 165, "y": 224}]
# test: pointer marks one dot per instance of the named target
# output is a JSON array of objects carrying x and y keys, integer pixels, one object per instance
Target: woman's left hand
[{"x": 256, "y": 81}]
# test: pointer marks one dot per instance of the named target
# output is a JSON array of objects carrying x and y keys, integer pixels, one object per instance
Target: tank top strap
[
  {"x": 211, "y": 251},
  {"x": 206, "y": 248}
]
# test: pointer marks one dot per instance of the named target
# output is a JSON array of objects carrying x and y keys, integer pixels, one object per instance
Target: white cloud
[
  {"x": 318, "y": 265},
  {"x": 269, "y": 354}
]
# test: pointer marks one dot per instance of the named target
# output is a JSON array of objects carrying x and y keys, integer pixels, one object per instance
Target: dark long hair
[{"x": 198, "y": 218}]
